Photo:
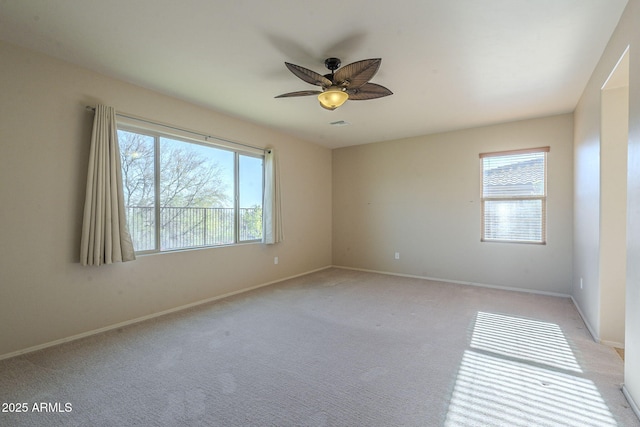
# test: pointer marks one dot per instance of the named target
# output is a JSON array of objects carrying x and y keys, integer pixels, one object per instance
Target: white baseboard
[
  {"x": 148, "y": 317},
  {"x": 458, "y": 282},
  {"x": 614, "y": 344},
  {"x": 632, "y": 403},
  {"x": 592, "y": 331}
]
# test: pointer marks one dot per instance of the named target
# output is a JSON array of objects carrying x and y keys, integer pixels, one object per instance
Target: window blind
[{"x": 514, "y": 193}]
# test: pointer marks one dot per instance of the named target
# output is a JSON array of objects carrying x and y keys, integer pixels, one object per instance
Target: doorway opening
[{"x": 614, "y": 138}]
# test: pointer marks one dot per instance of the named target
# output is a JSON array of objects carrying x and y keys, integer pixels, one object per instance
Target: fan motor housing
[{"x": 332, "y": 63}]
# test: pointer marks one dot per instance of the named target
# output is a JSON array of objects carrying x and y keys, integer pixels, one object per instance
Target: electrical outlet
[
  {"x": 397, "y": 256},
  {"x": 581, "y": 284},
  {"x": 275, "y": 259}
]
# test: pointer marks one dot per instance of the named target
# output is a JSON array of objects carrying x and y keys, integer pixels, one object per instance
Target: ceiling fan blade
[
  {"x": 368, "y": 91},
  {"x": 308, "y": 75},
  {"x": 300, "y": 93},
  {"x": 357, "y": 73}
]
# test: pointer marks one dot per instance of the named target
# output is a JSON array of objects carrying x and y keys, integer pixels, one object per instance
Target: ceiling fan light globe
[{"x": 332, "y": 98}]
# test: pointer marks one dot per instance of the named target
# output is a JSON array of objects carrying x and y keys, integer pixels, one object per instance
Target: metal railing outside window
[{"x": 191, "y": 227}]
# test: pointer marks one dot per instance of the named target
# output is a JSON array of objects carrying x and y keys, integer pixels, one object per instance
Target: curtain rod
[{"x": 203, "y": 135}]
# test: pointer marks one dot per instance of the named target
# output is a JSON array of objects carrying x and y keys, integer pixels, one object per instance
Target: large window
[
  {"x": 514, "y": 196},
  {"x": 181, "y": 194}
]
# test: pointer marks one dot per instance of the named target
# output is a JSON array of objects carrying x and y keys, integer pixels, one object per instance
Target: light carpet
[{"x": 332, "y": 348}]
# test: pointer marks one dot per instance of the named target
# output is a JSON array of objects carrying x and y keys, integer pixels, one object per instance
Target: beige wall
[
  {"x": 587, "y": 149},
  {"x": 45, "y": 295},
  {"x": 420, "y": 197}
]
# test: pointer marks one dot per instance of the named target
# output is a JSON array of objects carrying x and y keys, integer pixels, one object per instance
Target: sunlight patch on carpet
[
  {"x": 524, "y": 339},
  {"x": 518, "y": 373}
]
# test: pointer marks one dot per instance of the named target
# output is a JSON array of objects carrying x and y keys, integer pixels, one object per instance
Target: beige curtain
[
  {"x": 105, "y": 238},
  {"x": 271, "y": 212}
]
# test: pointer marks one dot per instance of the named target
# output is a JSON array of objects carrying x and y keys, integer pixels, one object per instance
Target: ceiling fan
[{"x": 349, "y": 82}]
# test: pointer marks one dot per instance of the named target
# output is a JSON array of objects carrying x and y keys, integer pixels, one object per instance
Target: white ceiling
[{"x": 451, "y": 63}]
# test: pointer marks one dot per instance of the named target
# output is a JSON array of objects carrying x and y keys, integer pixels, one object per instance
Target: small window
[
  {"x": 514, "y": 196},
  {"x": 181, "y": 194}
]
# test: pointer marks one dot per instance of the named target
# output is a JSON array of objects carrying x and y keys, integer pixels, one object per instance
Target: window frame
[
  {"x": 542, "y": 197},
  {"x": 237, "y": 152}
]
